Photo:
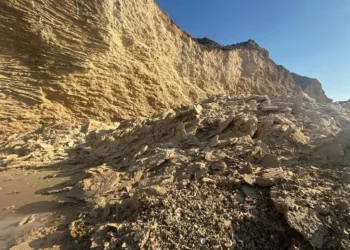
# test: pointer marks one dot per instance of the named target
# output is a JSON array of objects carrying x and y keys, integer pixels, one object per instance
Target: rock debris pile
[{"x": 230, "y": 172}]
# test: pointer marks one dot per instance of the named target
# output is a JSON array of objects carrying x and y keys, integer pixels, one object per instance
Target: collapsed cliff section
[
  {"x": 73, "y": 60},
  {"x": 231, "y": 172}
]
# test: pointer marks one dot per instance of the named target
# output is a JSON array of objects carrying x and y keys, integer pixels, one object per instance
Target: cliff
[
  {"x": 72, "y": 60},
  {"x": 312, "y": 87}
]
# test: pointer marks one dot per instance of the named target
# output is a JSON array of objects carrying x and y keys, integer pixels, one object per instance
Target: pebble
[
  {"x": 247, "y": 169},
  {"x": 208, "y": 180},
  {"x": 219, "y": 166}
]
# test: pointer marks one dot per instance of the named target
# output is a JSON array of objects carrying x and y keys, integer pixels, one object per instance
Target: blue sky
[{"x": 308, "y": 37}]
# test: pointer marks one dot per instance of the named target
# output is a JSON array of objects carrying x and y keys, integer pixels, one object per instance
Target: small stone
[
  {"x": 250, "y": 159},
  {"x": 322, "y": 210},
  {"x": 180, "y": 131},
  {"x": 201, "y": 173},
  {"x": 219, "y": 166},
  {"x": 224, "y": 124},
  {"x": 298, "y": 137},
  {"x": 11, "y": 157},
  {"x": 247, "y": 169},
  {"x": 271, "y": 108},
  {"x": 27, "y": 220},
  {"x": 249, "y": 179},
  {"x": 201, "y": 232},
  {"x": 9, "y": 207},
  {"x": 250, "y": 191},
  {"x": 264, "y": 147},
  {"x": 227, "y": 223},
  {"x": 138, "y": 176},
  {"x": 214, "y": 141},
  {"x": 100, "y": 202},
  {"x": 14, "y": 192},
  {"x": 257, "y": 152},
  {"x": 238, "y": 197},
  {"x": 271, "y": 177},
  {"x": 154, "y": 190},
  {"x": 258, "y": 98},
  {"x": 270, "y": 161},
  {"x": 165, "y": 180},
  {"x": 229, "y": 244},
  {"x": 50, "y": 176},
  {"x": 198, "y": 109},
  {"x": 183, "y": 184},
  {"x": 208, "y": 180},
  {"x": 141, "y": 151},
  {"x": 169, "y": 220}
]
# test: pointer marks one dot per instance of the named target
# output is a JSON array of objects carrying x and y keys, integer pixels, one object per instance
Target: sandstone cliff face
[
  {"x": 312, "y": 87},
  {"x": 112, "y": 59}
]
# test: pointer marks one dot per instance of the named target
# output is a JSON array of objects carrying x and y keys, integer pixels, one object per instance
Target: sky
[{"x": 308, "y": 37}]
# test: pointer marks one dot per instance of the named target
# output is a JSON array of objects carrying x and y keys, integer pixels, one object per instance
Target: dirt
[{"x": 26, "y": 204}]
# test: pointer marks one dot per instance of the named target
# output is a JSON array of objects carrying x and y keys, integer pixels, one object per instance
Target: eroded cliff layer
[{"x": 112, "y": 59}]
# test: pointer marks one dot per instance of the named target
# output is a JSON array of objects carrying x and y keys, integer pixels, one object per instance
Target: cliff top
[{"x": 211, "y": 44}]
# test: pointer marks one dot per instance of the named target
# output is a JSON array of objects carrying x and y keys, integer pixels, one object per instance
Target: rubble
[
  {"x": 203, "y": 176},
  {"x": 27, "y": 220},
  {"x": 316, "y": 206}
]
